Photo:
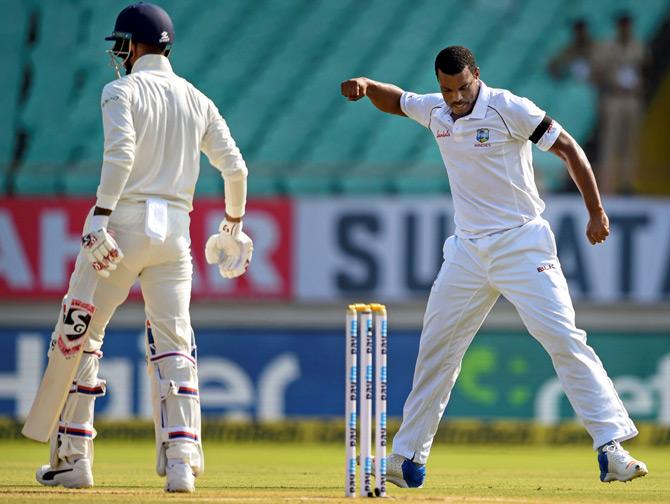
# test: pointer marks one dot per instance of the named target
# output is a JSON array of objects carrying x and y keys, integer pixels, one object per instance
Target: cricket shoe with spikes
[
  {"x": 179, "y": 477},
  {"x": 616, "y": 464},
  {"x": 76, "y": 475},
  {"x": 403, "y": 472}
]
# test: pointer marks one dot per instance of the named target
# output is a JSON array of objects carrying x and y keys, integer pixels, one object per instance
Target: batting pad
[
  {"x": 74, "y": 434},
  {"x": 176, "y": 404}
]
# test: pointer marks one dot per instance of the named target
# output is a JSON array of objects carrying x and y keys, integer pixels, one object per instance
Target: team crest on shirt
[{"x": 482, "y": 135}]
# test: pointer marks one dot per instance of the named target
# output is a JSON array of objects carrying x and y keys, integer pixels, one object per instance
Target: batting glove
[
  {"x": 231, "y": 249},
  {"x": 100, "y": 248}
]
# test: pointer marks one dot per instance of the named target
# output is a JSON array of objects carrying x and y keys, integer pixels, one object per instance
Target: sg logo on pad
[{"x": 76, "y": 319}]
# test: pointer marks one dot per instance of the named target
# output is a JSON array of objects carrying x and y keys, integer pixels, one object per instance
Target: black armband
[{"x": 541, "y": 129}]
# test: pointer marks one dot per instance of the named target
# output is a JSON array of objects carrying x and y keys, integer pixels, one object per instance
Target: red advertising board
[{"x": 39, "y": 241}]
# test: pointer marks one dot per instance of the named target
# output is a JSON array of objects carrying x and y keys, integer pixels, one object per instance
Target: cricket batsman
[
  {"x": 155, "y": 126},
  {"x": 502, "y": 245}
]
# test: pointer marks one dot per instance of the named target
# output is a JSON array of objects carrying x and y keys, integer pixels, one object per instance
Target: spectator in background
[
  {"x": 576, "y": 58},
  {"x": 618, "y": 74}
]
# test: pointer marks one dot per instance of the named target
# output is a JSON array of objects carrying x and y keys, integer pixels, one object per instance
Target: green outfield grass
[{"x": 124, "y": 472}]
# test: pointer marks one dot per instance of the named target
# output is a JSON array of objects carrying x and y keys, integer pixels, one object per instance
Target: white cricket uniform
[
  {"x": 502, "y": 245},
  {"x": 155, "y": 126}
]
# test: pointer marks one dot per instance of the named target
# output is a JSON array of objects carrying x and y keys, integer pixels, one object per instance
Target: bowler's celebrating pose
[
  {"x": 502, "y": 245},
  {"x": 155, "y": 126}
]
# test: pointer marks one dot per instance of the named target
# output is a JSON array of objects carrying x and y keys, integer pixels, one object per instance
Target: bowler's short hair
[{"x": 452, "y": 60}]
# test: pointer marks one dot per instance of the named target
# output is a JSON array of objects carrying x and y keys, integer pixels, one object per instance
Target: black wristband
[
  {"x": 233, "y": 219},
  {"x": 102, "y": 211}
]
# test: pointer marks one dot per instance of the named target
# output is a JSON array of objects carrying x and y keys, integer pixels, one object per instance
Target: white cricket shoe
[
  {"x": 180, "y": 477},
  {"x": 77, "y": 475},
  {"x": 403, "y": 472},
  {"x": 616, "y": 464}
]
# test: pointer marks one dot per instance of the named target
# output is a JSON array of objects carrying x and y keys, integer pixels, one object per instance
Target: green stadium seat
[
  {"x": 265, "y": 180},
  {"x": 421, "y": 179},
  {"x": 577, "y": 108},
  {"x": 647, "y": 20},
  {"x": 541, "y": 90},
  {"x": 392, "y": 142},
  {"x": 82, "y": 179},
  {"x": 350, "y": 128},
  {"x": 309, "y": 105},
  {"x": 274, "y": 69},
  {"x": 426, "y": 151},
  {"x": 13, "y": 29},
  {"x": 600, "y": 14},
  {"x": 367, "y": 179},
  {"x": 311, "y": 180},
  {"x": 210, "y": 47},
  {"x": 387, "y": 139},
  {"x": 261, "y": 186},
  {"x": 242, "y": 56},
  {"x": 210, "y": 182},
  {"x": 45, "y": 114},
  {"x": 13, "y": 34},
  {"x": 551, "y": 175},
  {"x": 5, "y": 179},
  {"x": 38, "y": 180},
  {"x": 302, "y": 49},
  {"x": 85, "y": 128}
]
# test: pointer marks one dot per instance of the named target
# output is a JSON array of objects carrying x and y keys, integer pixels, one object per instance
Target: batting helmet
[{"x": 146, "y": 23}]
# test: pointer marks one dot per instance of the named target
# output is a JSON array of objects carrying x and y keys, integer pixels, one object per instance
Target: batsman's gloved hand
[
  {"x": 100, "y": 247},
  {"x": 231, "y": 249}
]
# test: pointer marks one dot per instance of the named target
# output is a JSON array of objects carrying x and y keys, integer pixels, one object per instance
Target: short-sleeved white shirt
[{"x": 488, "y": 157}]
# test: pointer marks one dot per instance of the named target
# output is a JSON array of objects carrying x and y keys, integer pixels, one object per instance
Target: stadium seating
[
  {"x": 274, "y": 69},
  {"x": 13, "y": 35}
]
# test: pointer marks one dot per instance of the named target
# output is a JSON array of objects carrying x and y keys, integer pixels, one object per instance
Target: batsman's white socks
[
  {"x": 77, "y": 475},
  {"x": 180, "y": 477},
  {"x": 616, "y": 464}
]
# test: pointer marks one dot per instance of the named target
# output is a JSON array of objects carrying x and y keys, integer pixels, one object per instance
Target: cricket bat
[{"x": 65, "y": 350}]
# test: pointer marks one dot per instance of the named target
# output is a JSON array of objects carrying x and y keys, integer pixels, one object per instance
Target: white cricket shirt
[
  {"x": 488, "y": 157},
  {"x": 155, "y": 124}
]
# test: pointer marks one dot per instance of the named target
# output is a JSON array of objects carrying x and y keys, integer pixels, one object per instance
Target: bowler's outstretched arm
[{"x": 386, "y": 97}]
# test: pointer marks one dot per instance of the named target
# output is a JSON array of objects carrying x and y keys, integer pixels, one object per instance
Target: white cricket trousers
[
  {"x": 165, "y": 272},
  {"x": 522, "y": 265}
]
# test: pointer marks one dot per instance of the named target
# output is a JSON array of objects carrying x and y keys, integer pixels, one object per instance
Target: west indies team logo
[{"x": 482, "y": 135}]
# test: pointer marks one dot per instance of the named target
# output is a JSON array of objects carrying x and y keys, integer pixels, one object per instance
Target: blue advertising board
[{"x": 276, "y": 373}]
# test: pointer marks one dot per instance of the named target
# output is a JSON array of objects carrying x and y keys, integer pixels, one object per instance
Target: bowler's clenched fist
[
  {"x": 354, "y": 89},
  {"x": 598, "y": 228}
]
